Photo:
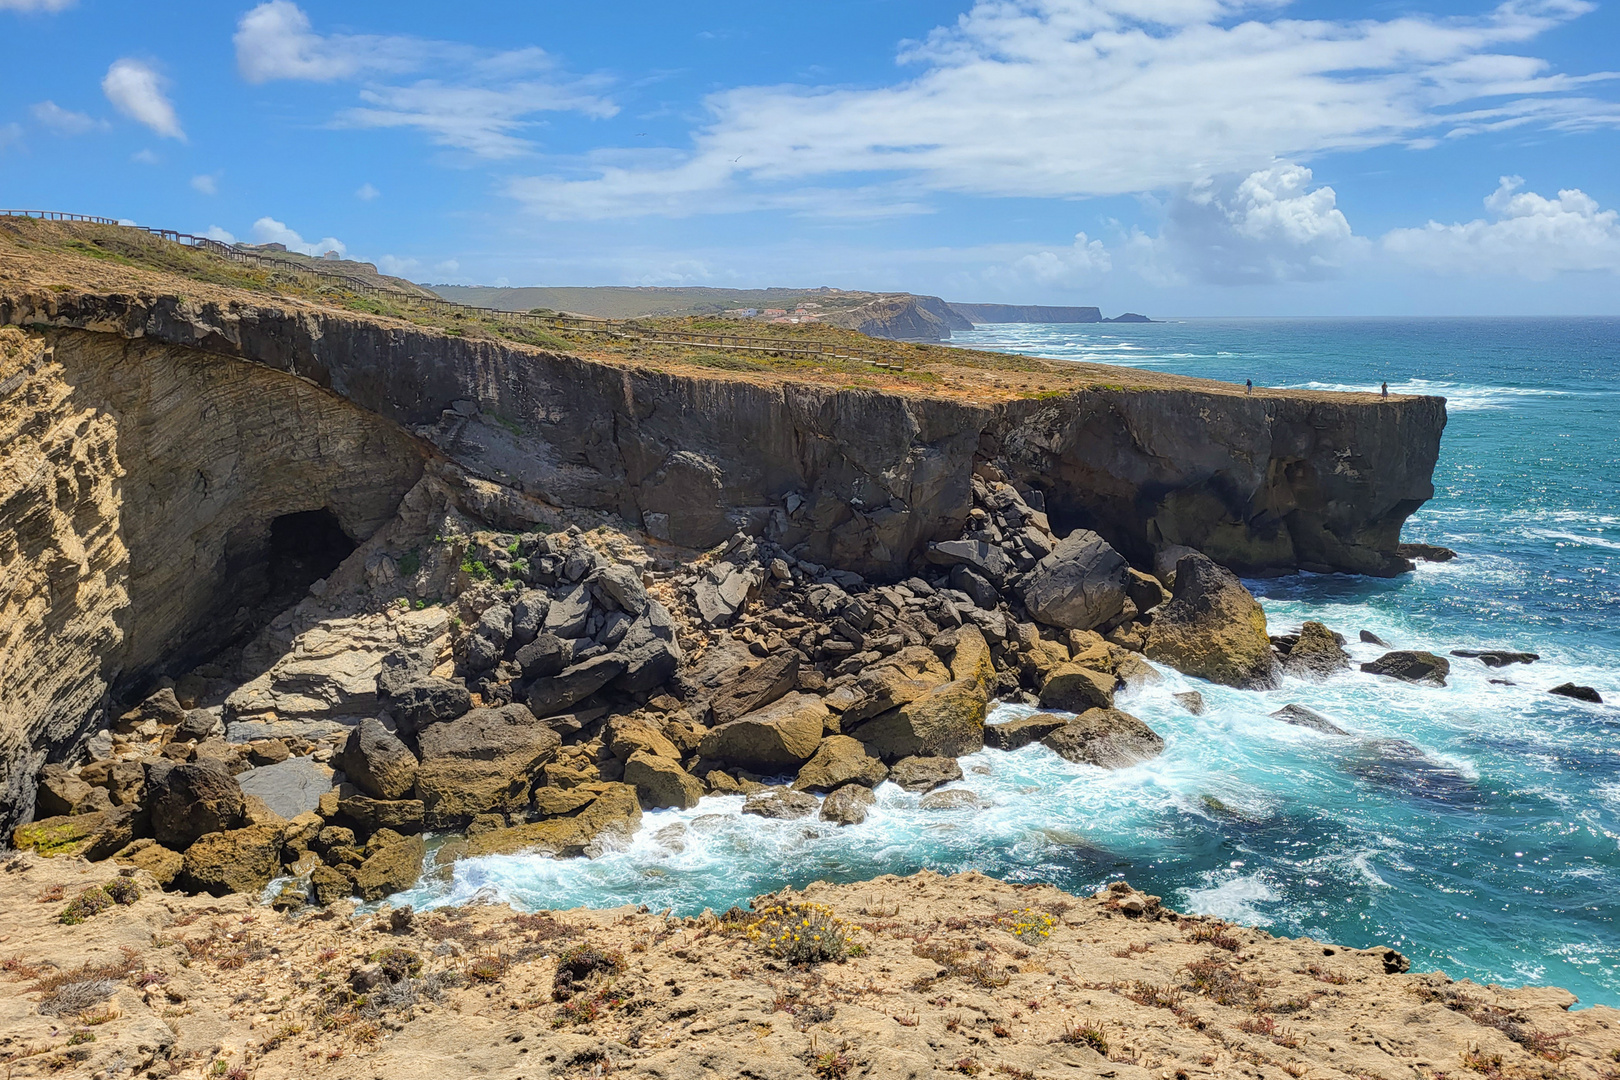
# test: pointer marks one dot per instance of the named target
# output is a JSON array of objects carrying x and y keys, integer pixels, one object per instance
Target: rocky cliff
[
  {"x": 903, "y": 317},
  {"x": 1026, "y": 313}
]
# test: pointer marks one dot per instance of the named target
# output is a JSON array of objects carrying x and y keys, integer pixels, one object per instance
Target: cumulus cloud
[
  {"x": 479, "y": 102},
  {"x": 396, "y": 266},
  {"x": 207, "y": 183},
  {"x": 216, "y": 233},
  {"x": 1529, "y": 235},
  {"x": 1084, "y": 260},
  {"x": 138, "y": 91},
  {"x": 1076, "y": 98},
  {"x": 144, "y": 157},
  {"x": 267, "y": 230},
  {"x": 64, "y": 121}
]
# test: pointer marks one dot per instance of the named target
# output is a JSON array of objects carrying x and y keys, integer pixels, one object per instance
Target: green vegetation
[
  {"x": 98, "y": 898},
  {"x": 410, "y": 563}
]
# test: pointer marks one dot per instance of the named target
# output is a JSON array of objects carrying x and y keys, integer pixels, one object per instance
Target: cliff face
[
  {"x": 903, "y": 318},
  {"x": 140, "y": 485},
  {"x": 1026, "y": 313}
]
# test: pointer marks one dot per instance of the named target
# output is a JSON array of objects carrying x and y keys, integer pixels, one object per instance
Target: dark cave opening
[{"x": 304, "y": 547}]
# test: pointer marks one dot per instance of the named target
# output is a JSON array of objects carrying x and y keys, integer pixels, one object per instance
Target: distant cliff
[
  {"x": 1025, "y": 313},
  {"x": 903, "y": 317}
]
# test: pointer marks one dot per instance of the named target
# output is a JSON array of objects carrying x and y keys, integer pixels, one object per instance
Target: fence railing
[{"x": 627, "y": 329}]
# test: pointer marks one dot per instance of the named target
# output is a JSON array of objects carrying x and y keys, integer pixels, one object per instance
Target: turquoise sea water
[{"x": 1476, "y": 827}]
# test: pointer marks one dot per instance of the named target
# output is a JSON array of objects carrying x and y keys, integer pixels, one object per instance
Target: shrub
[
  {"x": 1087, "y": 1034},
  {"x": 476, "y": 568},
  {"x": 397, "y": 963},
  {"x": 801, "y": 933},
  {"x": 410, "y": 563},
  {"x": 581, "y": 963},
  {"x": 92, "y": 901},
  {"x": 1027, "y": 925}
]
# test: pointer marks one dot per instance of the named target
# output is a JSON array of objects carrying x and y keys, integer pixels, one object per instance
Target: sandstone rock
[
  {"x": 1300, "y": 716},
  {"x": 968, "y": 654},
  {"x": 234, "y": 861},
  {"x": 1075, "y": 689},
  {"x": 1191, "y": 700},
  {"x": 840, "y": 760},
  {"x": 1316, "y": 654},
  {"x": 947, "y": 721},
  {"x": 482, "y": 762},
  {"x": 924, "y": 773},
  {"x": 1107, "y": 738},
  {"x": 92, "y": 836},
  {"x": 1411, "y": 666},
  {"x": 625, "y": 735},
  {"x": 60, "y": 792},
  {"x": 393, "y": 868},
  {"x": 1579, "y": 693},
  {"x": 561, "y": 692},
  {"x": 400, "y": 815},
  {"x": 545, "y": 655},
  {"x": 1015, "y": 734},
  {"x": 1080, "y": 585},
  {"x": 847, "y": 805},
  {"x": 610, "y": 813},
  {"x": 660, "y": 781},
  {"x": 149, "y": 855},
  {"x": 377, "y": 762},
  {"x": 1042, "y": 659},
  {"x": 781, "y": 736},
  {"x": 329, "y": 886},
  {"x": 1134, "y": 671},
  {"x": 780, "y": 802},
  {"x": 125, "y": 781},
  {"x": 417, "y": 702},
  {"x": 1212, "y": 628},
  {"x": 903, "y": 677},
  {"x": 759, "y": 686},
  {"x": 187, "y": 801},
  {"x": 293, "y": 787}
]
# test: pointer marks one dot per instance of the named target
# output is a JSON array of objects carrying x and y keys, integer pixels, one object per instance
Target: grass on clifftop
[{"x": 73, "y": 257}]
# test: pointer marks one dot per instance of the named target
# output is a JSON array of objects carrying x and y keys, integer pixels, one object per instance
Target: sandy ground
[{"x": 947, "y": 976}]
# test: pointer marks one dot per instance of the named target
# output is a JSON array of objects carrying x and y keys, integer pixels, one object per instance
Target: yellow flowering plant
[{"x": 800, "y": 933}]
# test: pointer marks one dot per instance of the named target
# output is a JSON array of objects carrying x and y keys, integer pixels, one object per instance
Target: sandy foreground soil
[{"x": 954, "y": 976}]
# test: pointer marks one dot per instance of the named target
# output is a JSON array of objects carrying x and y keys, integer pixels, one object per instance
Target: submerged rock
[
  {"x": 847, "y": 805},
  {"x": 1015, "y": 734},
  {"x": 924, "y": 773},
  {"x": 780, "y": 802},
  {"x": 1191, "y": 700},
  {"x": 1212, "y": 628},
  {"x": 1370, "y": 638},
  {"x": 1316, "y": 653},
  {"x": 1300, "y": 716},
  {"x": 1411, "y": 666},
  {"x": 1497, "y": 657}
]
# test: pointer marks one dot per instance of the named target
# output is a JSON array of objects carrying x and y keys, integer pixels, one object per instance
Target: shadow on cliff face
[{"x": 304, "y": 548}]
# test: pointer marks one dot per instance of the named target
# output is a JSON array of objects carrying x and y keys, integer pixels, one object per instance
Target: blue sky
[{"x": 1187, "y": 157}]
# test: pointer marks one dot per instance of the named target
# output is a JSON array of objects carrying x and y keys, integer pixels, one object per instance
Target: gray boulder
[
  {"x": 649, "y": 650},
  {"x": 758, "y": 686},
  {"x": 290, "y": 787},
  {"x": 568, "y": 613},
  {"x": 984, "y": 558},
  {"x": 416, "y": 702},
  {"x": 1300, "y": 716},
  {"x": 618, "y": 587},
  {"x": 780, "y": 802},
  {"x": 1316, "y": 653},
  {"x": 528, "y": 613},
  {"x": 723, "y": 590},
  {"x": 1080, "y": 585},
  {"x": 377, "y": 762},
  {"x": 190, "y": 800},
  {"x": 1411, "y": 666},
  {"x": 561, "y": 692},
  {"x": 545, "y": 655}
]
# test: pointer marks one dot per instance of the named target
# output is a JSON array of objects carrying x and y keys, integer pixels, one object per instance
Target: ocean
[{"x": 1476, "y": 828}]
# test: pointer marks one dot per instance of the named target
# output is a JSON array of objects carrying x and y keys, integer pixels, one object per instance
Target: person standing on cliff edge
[
  {"x": 1384, "y": 390},
  {"x": 1248, "y": 386}
]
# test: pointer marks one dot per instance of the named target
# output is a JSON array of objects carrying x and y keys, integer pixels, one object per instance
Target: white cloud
[
  {"x": 216, "y": 233},
  {"x": 267, "y": 230},
  {"x": 35, "y": 5},
  {"x": 396, "y": 266},
  {"x": 137, "y": 91},
  {"x": 1531, "y": 236},
  {"x": 365, "y": 193},
  {"x": 144, "y": 157},
  {"x": 1085, "y": 260},
  {"x": 477, "y": 101},
  {"x": 64, "y": 121},
  {"x": 1077, "y": 98},
  {"x": 207, "y": 183},
  {"x": 449, "y": 266}
]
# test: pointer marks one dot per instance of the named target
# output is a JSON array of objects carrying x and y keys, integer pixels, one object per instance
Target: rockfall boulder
[
  {"x": 482, "y": 762},
  {"x": 1212, "y": 628},
  {"x": 782, "y": 736},
  {"x": 1107, "y": 738},
  {"x": 1080, "y": 585}
]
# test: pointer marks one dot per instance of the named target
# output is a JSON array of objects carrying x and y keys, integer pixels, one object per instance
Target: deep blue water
[{"x": 1483, "y": 843}]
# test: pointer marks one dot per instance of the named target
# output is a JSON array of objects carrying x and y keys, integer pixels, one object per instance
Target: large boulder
[
  {"x": 905, "y": 676},
  {"x": 561, "y": 692},
  {"x": 188, "y": 801},
  {"x": 781, "y": 736},
  {"x": 1316, "y": 653},
  {"x": 288, "y": 788},
  {"x": 594, "y": 814},
  {"x": 92, "y": 836},
  {"x": 925, "y": 773},
  {"x": 947, "y": 721},
  {"x": 377, "y": 762},
  {"x": 234, "y": 861},
  {"x": 1587, "y": 694},
  {"x": 627, "y": 735},
  {"x": 660, "y": 782},
  {"x": 1107, "y": 738},
  {"x": 149, "y": 855},
  {"x": 1411, "y": 666},
  {"x": 1016, "y": 734},
  {"x": 977, "y": 555},
  {"x": 400, "y": 815},
  {"x": 483, "y": 762},
  {"x": 60, "y": 792},
  {"x": 618, "y": 587},
  {"x": 1212, "y": 628},
  {"x": 649, "y": 650},
  {"x": 545, "y": 655},
  {"x": 840, "y": 760},
  {"x": 394, "y": 867},
  {"x": 967, "y": 653},
  {"x": 1075, "y": 689},
  {"x": 419, "y": 699},
  {"x": 723, "y": 591},
  {"x": 758, "y": 686},
  {"x": 780, "y": 802},
  {"x": 1080, "y": 585}
]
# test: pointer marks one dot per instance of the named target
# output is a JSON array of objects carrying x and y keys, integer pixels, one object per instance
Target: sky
[{"x": 1170, "y": 157}]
